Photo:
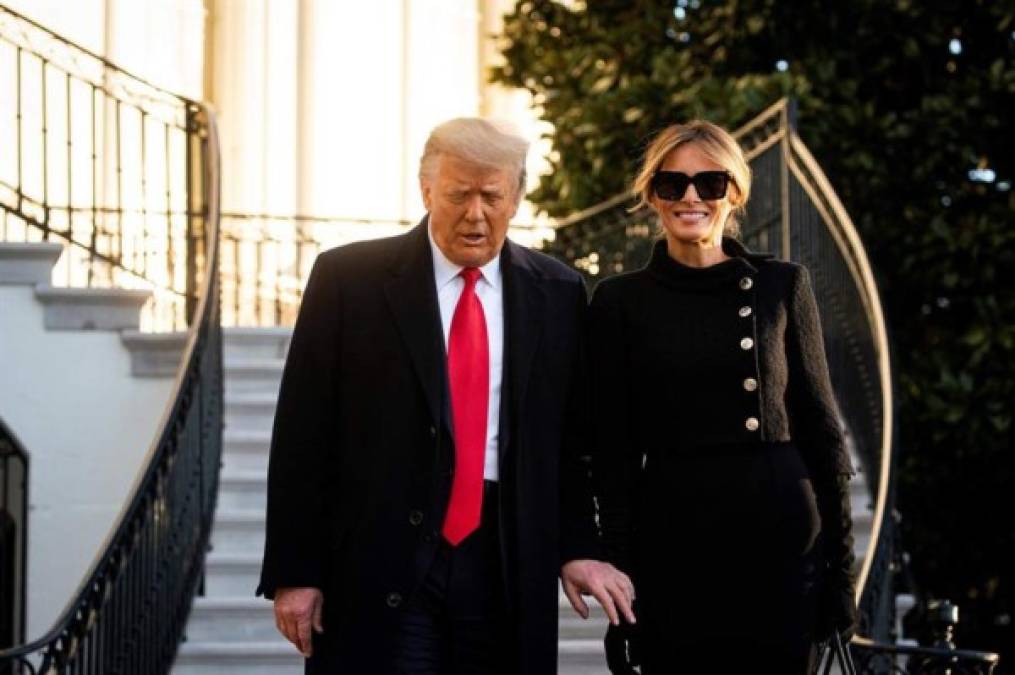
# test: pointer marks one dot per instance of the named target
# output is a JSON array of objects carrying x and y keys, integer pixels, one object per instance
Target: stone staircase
[{"x": 232, "y": 632}]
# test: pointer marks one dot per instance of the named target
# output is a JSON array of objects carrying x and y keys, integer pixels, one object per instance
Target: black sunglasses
[{"x": 671, "y": 185}]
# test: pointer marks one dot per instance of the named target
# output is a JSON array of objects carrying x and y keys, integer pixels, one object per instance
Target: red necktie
[{"x": 469, "y": 379}]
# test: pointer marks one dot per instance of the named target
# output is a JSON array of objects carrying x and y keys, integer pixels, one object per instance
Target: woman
[{"x": 720, "y": 465}]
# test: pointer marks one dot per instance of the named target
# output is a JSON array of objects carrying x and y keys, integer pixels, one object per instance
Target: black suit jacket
[{"x": 362, "y": 454}]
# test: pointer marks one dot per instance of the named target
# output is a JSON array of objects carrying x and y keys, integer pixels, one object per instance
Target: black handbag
[{"x": 834, "y": 652}]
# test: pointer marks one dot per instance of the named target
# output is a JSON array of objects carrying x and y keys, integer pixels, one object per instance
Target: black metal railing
[
  {"x": 13, "y": 537},
  {"x": 880, "y": 659},
  {"x": 266, "y": 261},
  {"x": 795, "y": 213},
  {"x": 128, "y": 615},
  {"x": 99, "y": 160}
]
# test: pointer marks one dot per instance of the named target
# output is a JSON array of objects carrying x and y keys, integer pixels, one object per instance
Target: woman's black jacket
[{"x": 746, "y": 337}]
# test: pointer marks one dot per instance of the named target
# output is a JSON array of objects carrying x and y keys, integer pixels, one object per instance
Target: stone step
[
  {"x": 109, "y": 309},
  {"x": 244, "y": 375},
  {"x": 258, "y": 343},
  {"x": 863, "y": 521},
  {"x": 575, "y": 657},
  {"x": 28, "y": 263},
  {"x": 277, "y": 657},
  {"x": 243, "y": 489},
  {"x": 253, "y": 411},
  {"x": 581, "y": 657},
  {"x": 227, "y": 619},
  {"x": 154, "y": 354},
  {"x": 244, "y": 450},
  {"x": 858, "y": 493},
  {"x": 573, "y": 627},
  {"x": 238, "y": 531},
  {"x": 232, "y": 575},
  {"x": 231, "y": 620}
]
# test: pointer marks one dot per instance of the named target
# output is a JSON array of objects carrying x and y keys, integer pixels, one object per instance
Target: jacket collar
[{"x": 742, "y": 262}]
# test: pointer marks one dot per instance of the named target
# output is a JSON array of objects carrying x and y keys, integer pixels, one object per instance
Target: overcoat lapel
[
  {"x": 524, "y": 302},
  {"x": 412, "y": 296}
]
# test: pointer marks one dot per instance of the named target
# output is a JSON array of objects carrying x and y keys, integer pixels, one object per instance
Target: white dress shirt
[{"x": 490, "y": 291}]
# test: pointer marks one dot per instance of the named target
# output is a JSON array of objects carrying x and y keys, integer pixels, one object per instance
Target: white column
[
  {"x": 239, "y": 93},
  {"x": 161, "y": 41},
  {"x": 442, "y": 78}
]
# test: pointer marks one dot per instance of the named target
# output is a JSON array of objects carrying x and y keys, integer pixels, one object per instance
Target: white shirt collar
[{"x": 445, "y": 271}]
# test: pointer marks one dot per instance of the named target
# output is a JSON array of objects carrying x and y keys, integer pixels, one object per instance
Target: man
[{"x": 425, "y": 488}]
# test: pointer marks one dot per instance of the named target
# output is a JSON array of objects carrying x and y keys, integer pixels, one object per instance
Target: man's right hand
[{"x": 297, "y": 612}]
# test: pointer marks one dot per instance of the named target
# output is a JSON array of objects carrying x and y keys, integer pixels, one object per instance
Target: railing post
[
  {"x": 195, "y": 209},
  {"x": 788, "y": 123},
  {"x": 943, "y": 616},
  {"x": 13, "y": 540}
]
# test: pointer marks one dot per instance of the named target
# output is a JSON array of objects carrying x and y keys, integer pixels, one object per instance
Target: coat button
[
  {"x": 745, "y": 311},
  {"x": 751, "y": 424},
  {"x": 746, "y": 343},
  {"x": 746, "y": 283},
  {"x": 415, "y": 517},
  {"x": 433, "y": 431},
  {"x": 393, "y": 600},
  {"x": 750, "y": 384}
]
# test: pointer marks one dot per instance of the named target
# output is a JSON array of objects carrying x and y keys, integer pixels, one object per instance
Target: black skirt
[{"x": 725, "y": 560}]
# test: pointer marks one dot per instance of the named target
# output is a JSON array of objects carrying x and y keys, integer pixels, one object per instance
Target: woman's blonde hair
[{"x": 717, "y": 144}]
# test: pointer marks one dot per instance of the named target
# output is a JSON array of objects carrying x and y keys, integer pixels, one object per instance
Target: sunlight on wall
[{"x": 325, "y": 106}]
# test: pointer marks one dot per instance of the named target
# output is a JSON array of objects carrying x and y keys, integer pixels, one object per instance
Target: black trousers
[
  {"x": 727, "y": 564},
  {"x": 457, "y": 623}
]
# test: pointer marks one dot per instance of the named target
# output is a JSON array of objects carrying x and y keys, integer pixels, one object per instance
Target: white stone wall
[{"x": 86, "y": 425}]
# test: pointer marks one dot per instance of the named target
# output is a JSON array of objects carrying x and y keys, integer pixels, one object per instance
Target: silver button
[
  {"x": 393, "y": 600},
  {"x": 746, "y": 343},
  {"x": 415, "y": 517},
  {"x": 745, "y": 311},
  {"x": 746, "y": 283},
  {"x": 750, "y": 384},
  {"x": 751, "y": 424}
]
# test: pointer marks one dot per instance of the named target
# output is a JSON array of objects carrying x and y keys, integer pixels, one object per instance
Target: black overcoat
[{"x": 362, "y": 451}]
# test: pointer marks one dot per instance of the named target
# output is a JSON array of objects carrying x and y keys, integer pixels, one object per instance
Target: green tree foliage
[{"x": 908, "y": 106}]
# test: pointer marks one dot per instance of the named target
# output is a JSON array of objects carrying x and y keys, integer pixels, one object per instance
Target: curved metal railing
[
  {"x": 13, "y": 537},
  {"x": 266, "y": 260},
  {"x": 99, "y": 160},
  {"x": 128, "y": 614}
]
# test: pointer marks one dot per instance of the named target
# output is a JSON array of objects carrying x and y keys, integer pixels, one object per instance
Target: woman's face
[{"x": 691, "y": 219}]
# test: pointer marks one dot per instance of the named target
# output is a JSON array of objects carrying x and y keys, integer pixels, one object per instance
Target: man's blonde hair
[
  {"x": 715, "y": 143},
  {"x": 487, "y": 143}
]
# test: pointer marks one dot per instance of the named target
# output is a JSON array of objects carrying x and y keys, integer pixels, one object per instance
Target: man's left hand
[{"x": 611, "y": 587}]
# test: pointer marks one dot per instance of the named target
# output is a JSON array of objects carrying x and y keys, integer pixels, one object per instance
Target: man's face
[{"x": 470, "y": 207}]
